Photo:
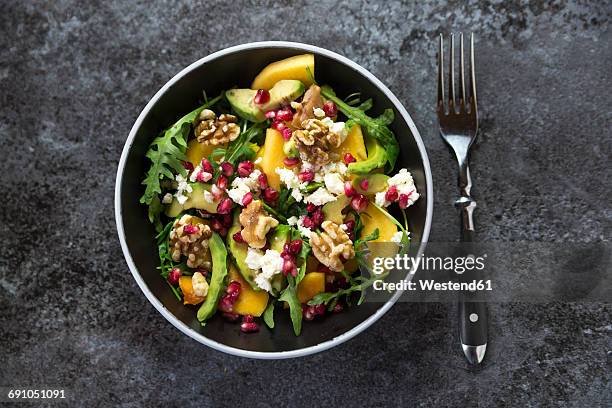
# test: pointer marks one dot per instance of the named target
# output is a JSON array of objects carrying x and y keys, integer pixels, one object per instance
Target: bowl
[{"x": 237, "y": 66}]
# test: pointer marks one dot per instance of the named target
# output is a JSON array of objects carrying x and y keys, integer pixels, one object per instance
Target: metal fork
[{"x": 458, "y": 127}]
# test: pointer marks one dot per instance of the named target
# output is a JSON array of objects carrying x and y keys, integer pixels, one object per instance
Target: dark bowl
[{"x": 237, "y": 66}]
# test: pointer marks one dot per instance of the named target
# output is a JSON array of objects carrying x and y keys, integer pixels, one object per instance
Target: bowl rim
[{"x": 119, "y": 217}]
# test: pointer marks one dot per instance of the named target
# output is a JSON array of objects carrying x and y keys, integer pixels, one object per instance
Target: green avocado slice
[
  {"x": 219, "y": 271},
  {"x": 377, "y": 157},
  {"x": 282, "y": 93}
]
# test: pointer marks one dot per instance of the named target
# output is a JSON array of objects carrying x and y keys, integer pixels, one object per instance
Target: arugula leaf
[
  {"x": 240, "y": 149},
  {"x": 268, "y": 315},
  {"x": 289, "y": 295},
  {"x": 167, "y": 152},
  {"x": 374, "y": 127}
]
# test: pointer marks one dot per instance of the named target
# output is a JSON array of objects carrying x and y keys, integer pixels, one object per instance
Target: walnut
[
  {"x": 190, "y": 238},
  {"x": 256, "y": 223},
  {"x": 315, "y": 142},
  {"x": 305, "y": 110},
  {"x": 332, "y": 247},
  {"x": 213, "y": 130}
]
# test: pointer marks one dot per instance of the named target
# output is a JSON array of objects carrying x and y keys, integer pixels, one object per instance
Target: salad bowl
[{"x": 223, "y": 70}]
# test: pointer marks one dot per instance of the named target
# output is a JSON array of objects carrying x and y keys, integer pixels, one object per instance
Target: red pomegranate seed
[
  {"x": 262, "y": 179},
  {"x": 349, "y": 190},
  {"x": 359, "y": 202},
  {"x": 284, "y": 114},
  {"x": 391, "y": 194},
  {"x": 216, "y": 225},
  {"x": 307, "y": 175},
  {"x": 364, "y": 184},
  {"x": 246, "y": 200},
  {"x": 232, "y": 317},
  {"x": 288, "y": 266},
  {"x": 330, "y": 109},
  {"x": 261, "y": 96},
  {"x": 188, "y": 166},
  {"x": 351, "y": 236},
  {"x": 233, "y": 289},
  {"x": 291, "y": 161},
  {"x": 249, "y": 327},
  {"x": 222, "y": 182},
  {"x": 190, "y": 229},
  {"x": 338, "y": 308},
  {"x": 238, "y": 237},
  {"x": 227, "y": 169},
  {"x": 226, "y": 305},
  {"x": 270, "y": 194},
  {"x": 295, "y": 246},
  {"x": 307, "y": 222},
  {"x": 287, "y": 132},
  {"x": 207, "y": 166},
  {"x": 403, "y": 201},
  {"x": 248, "y": 319},
  {"x": 173, "y": 276},
  {"x": 278, "y": 125},
  {"x": 348, "y": 158},
  {"x": 225, "y": 206},
  {"x": 270, "y": 114},
  {"x": 318, "y": 217},
  {"x": 203, "y": 176},
  {"x": 245, "y": 168},
  {"x": 226, "y": 220},
  {"x": 310, "y": 207},
  {"x": 319, "y": 309},
  {"x": 350, "y": 225}
]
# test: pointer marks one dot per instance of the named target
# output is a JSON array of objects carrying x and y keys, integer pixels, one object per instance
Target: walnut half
[
  {"x": 315, "y": 142},
  {"x": 331, "y": 246},
  {"x": 189, "y": 238},
  {"x": 213, "y": 130},
  {"x": 256, "y": 224}
]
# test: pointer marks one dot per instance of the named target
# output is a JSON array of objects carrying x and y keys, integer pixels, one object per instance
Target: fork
[{"x": 458, "y": 128}]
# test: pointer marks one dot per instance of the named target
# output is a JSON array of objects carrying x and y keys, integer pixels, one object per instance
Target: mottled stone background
[{"x": 75, "y": 75}]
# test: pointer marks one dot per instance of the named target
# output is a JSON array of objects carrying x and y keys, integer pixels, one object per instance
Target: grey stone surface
[{"x": 75, "y": 75}]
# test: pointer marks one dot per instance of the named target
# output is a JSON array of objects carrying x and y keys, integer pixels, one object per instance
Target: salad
[{"x": 265, "y": 199}]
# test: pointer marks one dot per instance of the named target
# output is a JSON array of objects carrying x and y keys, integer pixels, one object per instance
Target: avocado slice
[
  {"x": 282, "y": 93},
  {"x": 239, "y": 253},
  {"x": 377, "y": 157},
  {"x": 377, "y": 182},
  {"x": 195, "y": 200},
  {"x": 333, "y": 209},
  {"x": 277, "y": 242},
  {"x": 219, "y": 271}
]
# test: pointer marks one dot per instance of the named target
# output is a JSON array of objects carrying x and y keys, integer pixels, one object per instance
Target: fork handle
[{"x": 473, "y": 315}]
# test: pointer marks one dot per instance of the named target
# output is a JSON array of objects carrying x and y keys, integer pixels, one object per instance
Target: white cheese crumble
[
  {"x": 334, "y": 183},
  {"x": 320, "y": 197},
  {"x": 292, "y": 181},
  {"x": 194, "y": 173},
  {"x": 397, "y": 237},
  {"x": 167, "y": 198},
  {"x": 318, "y": 112},
  {"x": 208, "y": 197},
  {"x": 405, "y": 185},
  {"x": 339, "y": 128},
  {"x": 270, "y": 263},
  {"x": 258, "y": 160},
  {"x": 293, "y": 220},
  {"x": 183, "y": 187},
  {"x": 380, "y": 200},
  {"x": 242, "y": 185},
  {"x": 199, "y": 284},
  {"x": 304, "y": 231}
]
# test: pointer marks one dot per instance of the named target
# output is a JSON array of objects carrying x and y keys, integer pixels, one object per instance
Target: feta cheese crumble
[
  {"x": 270, "y": 264},
  {"x": 292, "y": 181},
  {"x": 397, "y": 237},
  {"x": 318, "y": 112},
  {"x": 199, "y": 284},
  {"x": 208, "y": 197},
  {"x": 182, "y": 188},
  {"x": 320, "y": 197},
  {"x": 334, "y": 183},
  {"x": 167, "y": 198},
  {"x": 242, "y": 185},
  {"x": 304, "y": 231},
  {"x": 405, "y": 185}
]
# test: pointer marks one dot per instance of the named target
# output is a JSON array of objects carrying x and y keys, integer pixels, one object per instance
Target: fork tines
[{"x": 468, "y": 105}]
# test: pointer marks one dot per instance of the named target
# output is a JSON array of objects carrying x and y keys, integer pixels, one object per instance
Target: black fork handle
[{"x": 473, "y": 315}]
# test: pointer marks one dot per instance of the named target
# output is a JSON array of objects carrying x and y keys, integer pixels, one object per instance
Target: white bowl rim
[{"x": 153, "y": 299}]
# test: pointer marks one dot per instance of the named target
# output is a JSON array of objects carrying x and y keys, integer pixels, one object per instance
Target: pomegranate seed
[
  {"x": 270, "y": 114},
  {"x": 338, "y": 308},
  {"x": 216, "y": 225},
  {"x": 287, "y": 132},
  {"x": 284, "y": 114},
  {"x": 295, "y": 246},
  {"x": 225, "y": 206},
  {"x": 233, "y": 289},
  {"x": 188, "y": 166},
  {"x": 391, "y": 194},
  {"x": 311, "y": 207},
  {"x": 330, "y": 109},
  {"x": 349, "y": 190},
  {"x": 190, "y": 229},
  {"x": 278, "y": 125},
  {"x": 270, "y": 194},
  {"x": 249, "y": 327},
  {"x": 226, "y": 304},
  {"x": 403, "y": 201},
  {"x": 261, "y": 96},
  {"x": 226, "y": 220},
  {"x": 350, "y": 225},
  {"x": 204, "y": 272},
  {"x": 245, "y": 168},
  {"x": 203, "y": 176},
  {"x": 238, "y": 237},
  {"x": 291, "y": 161},
  {"x": 348, "y": 158},
  {"x": 207, "y": 166},
  {"x": 232, "y": 317},
  {"x": 222, "y": 182},
  {"x": 318, "y": 217},
  {"x": 173, "y": 276},
  {"x": 310, "y": 312},
  {"x": 227, "y": 169},
  {"x": 351, "y": 236},
  {"x": 364, "y": 184},
  {"x": 248, "y": 319},
  {"x": 307, "y": 222},
  {"x": 262, "y": 179},
  {"x": 287, "y": 255},
  {"x": 307, "y": 175},
  {"x": 359, "y": 203},
  {"x": 246, "y": 200}
]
